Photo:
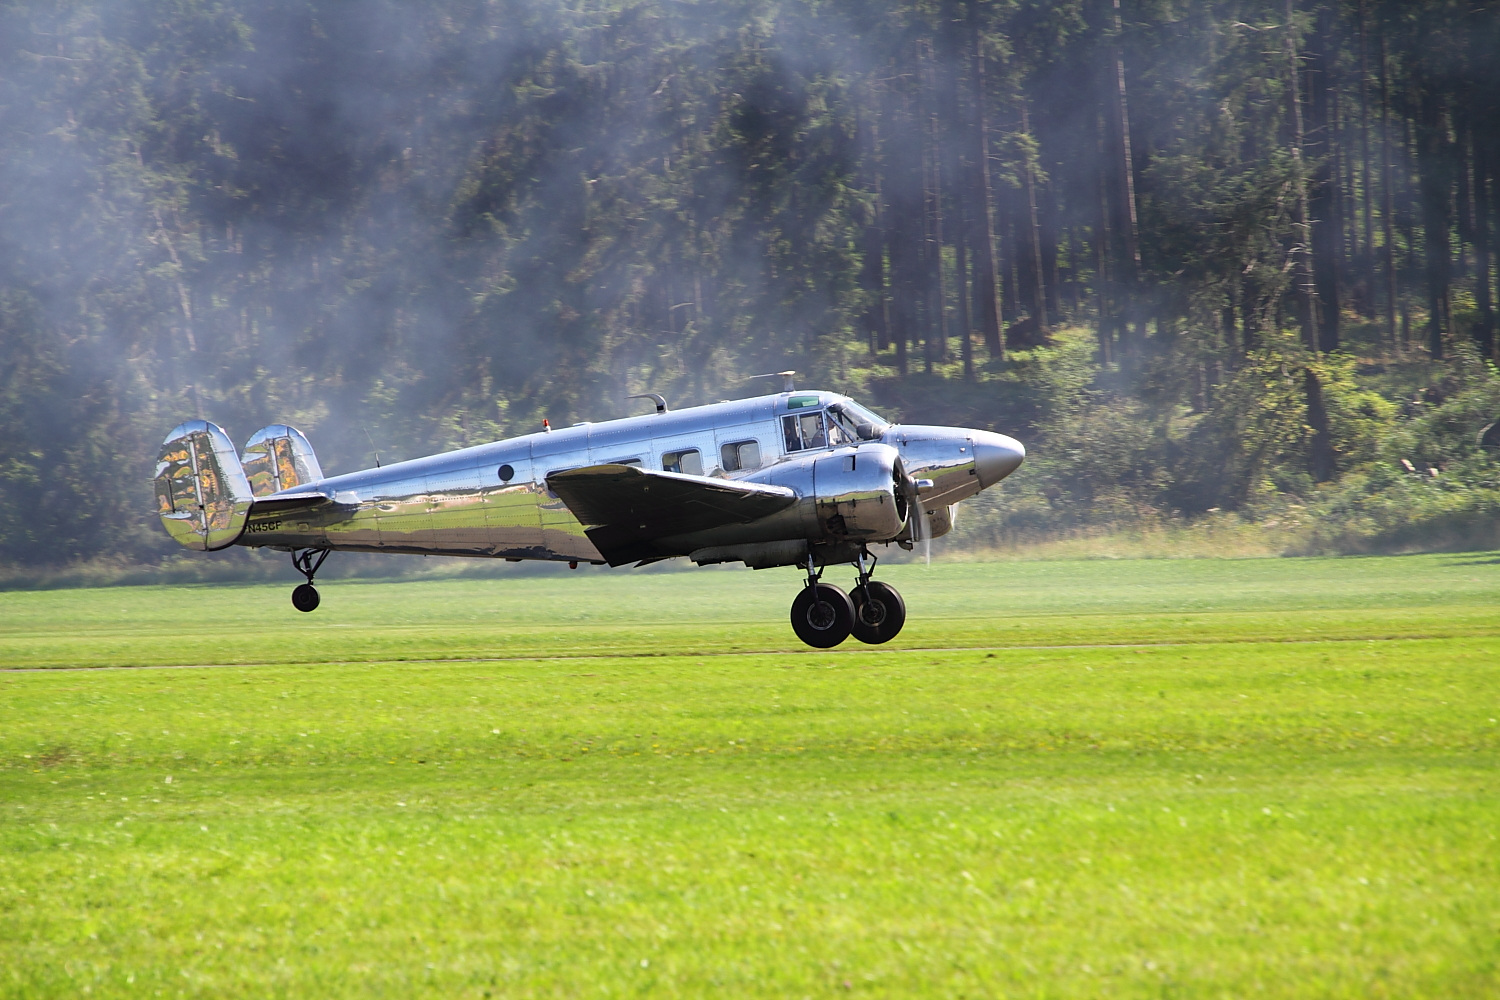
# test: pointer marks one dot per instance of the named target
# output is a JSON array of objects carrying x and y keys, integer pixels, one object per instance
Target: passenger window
[
  {"x": 805, "y": 431},
  {"x": 623, "y": 461},
  {"x": 740, "y": 455},
  {"x": 688, "y": 462}
]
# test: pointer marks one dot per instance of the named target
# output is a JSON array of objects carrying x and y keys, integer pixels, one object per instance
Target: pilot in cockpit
[{"x": 804, "y": 431}]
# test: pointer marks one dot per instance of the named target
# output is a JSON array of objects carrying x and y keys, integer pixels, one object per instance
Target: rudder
[
  {"x": 202, "y": 495},
  {"x": 279, "y": 457}
]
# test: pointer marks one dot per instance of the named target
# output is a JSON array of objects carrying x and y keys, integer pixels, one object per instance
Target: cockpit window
[
  {"x": 804, "y": 431},
  {"x": 838, "y": 432},
  {"x": 856, "y": 421}
]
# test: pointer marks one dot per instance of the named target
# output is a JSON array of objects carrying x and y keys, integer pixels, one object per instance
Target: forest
[{"x": 1224, "y": 263}]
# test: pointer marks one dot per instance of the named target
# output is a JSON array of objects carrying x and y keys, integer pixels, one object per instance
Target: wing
[{"x": 624, "y": 508}]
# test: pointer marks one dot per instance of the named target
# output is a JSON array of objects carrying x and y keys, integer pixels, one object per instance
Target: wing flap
[{"x": 625, "y": 507}]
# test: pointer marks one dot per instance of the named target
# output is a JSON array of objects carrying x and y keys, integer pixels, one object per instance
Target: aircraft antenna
[
  {"x": 661, "y": 403},
  {"x": 372, "y": 445},
  {"x": 786, "y": 379}
]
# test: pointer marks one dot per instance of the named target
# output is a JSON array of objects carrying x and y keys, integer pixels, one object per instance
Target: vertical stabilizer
[
  {"x": 278, "y": 458},
  {"x": 201, "y": 491}
]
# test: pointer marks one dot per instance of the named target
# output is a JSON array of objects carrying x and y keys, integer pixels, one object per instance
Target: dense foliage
[{"x": 1203, "y": 257}]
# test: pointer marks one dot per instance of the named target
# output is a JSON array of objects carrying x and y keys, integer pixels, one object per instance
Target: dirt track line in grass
[{"x": 764, "y": 652}]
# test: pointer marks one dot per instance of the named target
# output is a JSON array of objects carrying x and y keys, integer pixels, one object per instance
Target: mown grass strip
[{"x": 1286, "y": 818}]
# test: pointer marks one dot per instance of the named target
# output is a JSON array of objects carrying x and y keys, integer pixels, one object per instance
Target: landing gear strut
[
  {"x": 879, "y": 611},
  {"x": 307, "y": 562},
  {"x": 822, "y": 614}
]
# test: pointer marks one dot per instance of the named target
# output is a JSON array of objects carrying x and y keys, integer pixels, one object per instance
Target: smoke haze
[{"x": 443, "y": 221}]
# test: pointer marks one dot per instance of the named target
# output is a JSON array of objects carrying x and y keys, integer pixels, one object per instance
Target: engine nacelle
[
  {"x": 941, "y": 519},
  {"x": 861, "y": 493}
]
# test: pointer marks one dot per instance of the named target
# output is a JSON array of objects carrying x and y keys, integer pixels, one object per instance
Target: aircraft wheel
[
  {"x": 822, "y": 616},
  {"x": 879, "y": 612},
  {"x": 305, "y": 597}
]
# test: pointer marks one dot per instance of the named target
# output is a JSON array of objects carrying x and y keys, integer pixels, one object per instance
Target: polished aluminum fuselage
[{"x": 458, "y": 504}]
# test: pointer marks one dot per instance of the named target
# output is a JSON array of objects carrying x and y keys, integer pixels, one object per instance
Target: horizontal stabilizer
[
  {"x": 625, "y": 507},
  {"x": 283, "y": 502}
]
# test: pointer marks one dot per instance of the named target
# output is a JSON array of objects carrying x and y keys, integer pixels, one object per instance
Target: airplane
[{"x": 797, "y": 478}]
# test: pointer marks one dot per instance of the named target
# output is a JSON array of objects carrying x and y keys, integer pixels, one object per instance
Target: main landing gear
[
  {"x": 824, "y": 615},
  {"x": 308, "y": 562},
  {"x": 879, "y": 611}
]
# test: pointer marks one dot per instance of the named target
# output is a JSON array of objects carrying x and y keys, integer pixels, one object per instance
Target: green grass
[
  {"x": 1096, "y": 779},
  {"x": 596, "y": 611}
]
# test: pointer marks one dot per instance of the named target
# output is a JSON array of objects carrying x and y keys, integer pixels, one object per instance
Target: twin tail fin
[
  {"x": 204, "y": 491},
  {"x": 277, "y": 458}
]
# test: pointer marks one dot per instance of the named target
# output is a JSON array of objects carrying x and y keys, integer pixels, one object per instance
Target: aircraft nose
[{"x": 996, "y": 456}]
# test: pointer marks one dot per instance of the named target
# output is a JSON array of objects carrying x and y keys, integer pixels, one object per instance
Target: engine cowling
[{"x": 861, "y": 493}]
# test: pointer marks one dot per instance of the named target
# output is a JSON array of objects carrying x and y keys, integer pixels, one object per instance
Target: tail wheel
[
  {"x": 879, "y": 612},
  {"x": 305, "y": 597},
  {"x": 822, "y": 616}
]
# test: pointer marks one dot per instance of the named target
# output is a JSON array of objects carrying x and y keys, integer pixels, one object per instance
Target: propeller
[
  {"x": 924, "y": 530},
  {"x": 920, "y": 531}
]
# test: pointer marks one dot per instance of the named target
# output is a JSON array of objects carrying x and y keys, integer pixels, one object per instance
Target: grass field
[{"x": 1154, "y": 778}]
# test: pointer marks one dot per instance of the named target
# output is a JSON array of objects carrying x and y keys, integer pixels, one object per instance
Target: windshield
[{"x": 858, "y": 421}]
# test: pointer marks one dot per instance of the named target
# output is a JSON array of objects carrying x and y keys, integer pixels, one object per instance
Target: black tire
[
  {"x": 879, "y": 613},
  {"x": 305, "y": 598},
  {"x": 822, "y": 616}
]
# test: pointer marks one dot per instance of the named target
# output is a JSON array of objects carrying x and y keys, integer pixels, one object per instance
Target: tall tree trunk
[
  {"x": 935, "y": 323},
  {"x": 1484, "y": 204},
  {"x": 1325, "y": 201},
  {"x": 1250, "y": 311},
  {"x": 1122, "y": 156},
  {"x": 982, "y": 230},
  {"x": 952, "y": 126},
  {"x": 872, "y": 241},
  {"x": 1407, "y": 213},
  {"x": 1011, "y": 282},
  {"x": 1036, "y": 270},
  {"x": 1464, "y": 164},
  {"x": 1102, "y": 275},
  {"x": 1073, "y": 266},
  {"x": 1366, "y": 195},
  {"x": 1227, "y": 320},
  {"x": 1388, "y": 197},
  {"x": 961, "y": 283},
  {"x": 1121, "y": 168},
  {"x": 1435, "y": 183},
  {"x": 905, "y": 230},
  {"x": 1050, "y": 234},
  {"x": 1320, "y": 446},
  {"x": 1348, "y": 210},
  {"x": 1304, "y": 292}
]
